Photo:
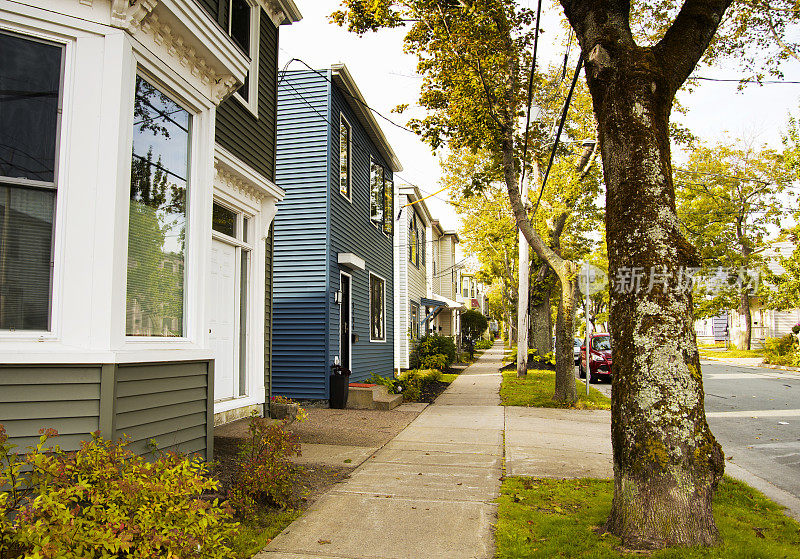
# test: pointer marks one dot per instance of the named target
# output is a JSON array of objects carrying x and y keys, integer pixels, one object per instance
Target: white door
[{"x": 223, "y": 310}]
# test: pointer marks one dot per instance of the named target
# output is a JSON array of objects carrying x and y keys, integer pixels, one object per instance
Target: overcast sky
[{"x": 387, "y": 78}]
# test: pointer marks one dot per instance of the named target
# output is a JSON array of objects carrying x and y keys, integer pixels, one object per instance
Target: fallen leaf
[
  {"x": 759, "y": 533},
  {"x": 323, "y": 542}
]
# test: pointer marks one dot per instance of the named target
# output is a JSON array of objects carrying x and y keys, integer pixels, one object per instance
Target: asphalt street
[{"x": 754, "y": 412}]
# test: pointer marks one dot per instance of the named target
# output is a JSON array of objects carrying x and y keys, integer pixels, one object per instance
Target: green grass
[
  {"x": 254, "y": 534},
  {"x": 448, "y": 378},
  {"x": 734, "y": 353},
  {"x": 536, "y": 391},
  {"x": 715, "y": 344},
  {"x": 543, "y": 518}
]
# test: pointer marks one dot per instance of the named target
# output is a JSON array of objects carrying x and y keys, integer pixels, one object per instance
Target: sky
[{"x": 386, "y": 77}]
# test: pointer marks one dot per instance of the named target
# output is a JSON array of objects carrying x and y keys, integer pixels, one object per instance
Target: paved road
[{"x": 755, "y": 414}]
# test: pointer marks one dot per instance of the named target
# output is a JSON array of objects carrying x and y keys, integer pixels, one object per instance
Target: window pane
[
  {"x": 412, "y": 238},
  {"x": 388, "y": 202},
  {"x": 376, "y": 308},
  {"x": 376, "y": 193},
  {"x": 223, "y": 220},
  {"x": 240, "y": 24},
  {"x": 30, "y": 73},
  {"x": 26, "y": 230},
  {"x": 344, "y": 157},
  {"x": 157, "y": 222}
]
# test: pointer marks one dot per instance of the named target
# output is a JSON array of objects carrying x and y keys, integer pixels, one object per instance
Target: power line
[
  {"x": 743, "y": 80},
  {"x": 530, "y": 95}
]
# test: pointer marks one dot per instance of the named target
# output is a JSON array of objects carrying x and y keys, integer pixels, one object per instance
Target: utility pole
[{"x": 522, "y": 299}]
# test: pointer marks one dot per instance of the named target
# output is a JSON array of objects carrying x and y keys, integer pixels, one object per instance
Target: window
[
  {"x": 376, "y": 193},
  {"x": 157, "y": 218},
  {"x": 413, "y": 239},
  {"x": 465, "y": 287},
  {"x": 344, "y": 157},
  {"x": 30, "y": 88},
  {"x": 243, "y": 29},
  {"x": 388, "y": 203},
  {"x": 414, "y": 321},
  {"x": 223, "y": 220},
  {"x": 422, "y": 247},
  {"x": 377, "y": 304},
  {"x": 381, "y": 197}
]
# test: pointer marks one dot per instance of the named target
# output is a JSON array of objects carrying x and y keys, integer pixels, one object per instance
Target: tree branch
[{"x": 688, "y": 38}]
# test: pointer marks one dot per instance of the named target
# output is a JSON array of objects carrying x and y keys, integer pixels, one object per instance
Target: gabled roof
[
  {"x": 344, "y": 81},
  {"x": 415, "y": 196}
]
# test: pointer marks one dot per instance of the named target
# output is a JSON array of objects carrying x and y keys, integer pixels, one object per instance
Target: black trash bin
[{"x": 340, "y": 387}]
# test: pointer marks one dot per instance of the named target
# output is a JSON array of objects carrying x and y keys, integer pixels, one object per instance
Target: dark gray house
[
  {"x": 137, "y": 194},
  {"x": 333, "y": 267}
]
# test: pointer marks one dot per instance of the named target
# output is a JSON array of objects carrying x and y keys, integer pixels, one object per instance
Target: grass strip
[
  {"x": 544, "y": 518},
  {"x": 536, "y": 391},
  {"x": 257, "y": 531}
]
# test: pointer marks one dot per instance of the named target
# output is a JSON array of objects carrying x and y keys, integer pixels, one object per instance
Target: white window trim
[
  {"x": 349, "y": 197},
  {"x": 62, "y": 156},
  {"x": 252, "y": 82},
  {"x": 369, "y": 292},
  {"x": 201, "y": 149}
]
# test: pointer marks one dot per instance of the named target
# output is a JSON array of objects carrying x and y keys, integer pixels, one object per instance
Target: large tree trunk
[
  {"x": 666, "y": 461},
  {"x": 541, "y": 331},
  {"x": 744, "y": 309},
  {"x": 565, "y": 390}
]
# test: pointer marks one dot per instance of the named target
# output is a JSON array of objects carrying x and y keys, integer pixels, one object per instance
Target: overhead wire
[{"x": 530, "y": 96}]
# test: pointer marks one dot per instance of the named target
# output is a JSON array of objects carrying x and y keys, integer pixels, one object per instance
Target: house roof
[
  {"x": 415, "y": 196},
  {"x": 344, "y": 81},
  {"x": 287, "y": 7},
  {"x": 437, "y": 227},
  {"x": 453, "y": 233}
]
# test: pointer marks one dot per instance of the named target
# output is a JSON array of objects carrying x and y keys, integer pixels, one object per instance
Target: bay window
[
  {"x": 30, "y": 107},
  {"x": 157, "y": 223}
]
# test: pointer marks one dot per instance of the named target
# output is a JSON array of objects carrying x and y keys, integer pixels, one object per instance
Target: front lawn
[
  {"x": 561, "y": 518},
  {"x": 732, "y": 353},
  {"x": 536, "y": 391}
]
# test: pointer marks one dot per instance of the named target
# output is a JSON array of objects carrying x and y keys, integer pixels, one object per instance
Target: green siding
[
  {"x": 167, "y": 402},
  {"x": 251, "y": 138}
]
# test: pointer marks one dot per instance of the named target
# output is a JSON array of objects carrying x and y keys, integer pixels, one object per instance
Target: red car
[{"x": 600, "y": 358}]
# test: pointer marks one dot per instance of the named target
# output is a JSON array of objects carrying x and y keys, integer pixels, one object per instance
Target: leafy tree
[
  {"x": 727, "y": 198},
  {"x": 473, "y": 56},
  {"x": 473, "y": 325}
]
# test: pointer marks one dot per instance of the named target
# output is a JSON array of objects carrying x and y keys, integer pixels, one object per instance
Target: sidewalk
[{"x": 428, "y": 493}]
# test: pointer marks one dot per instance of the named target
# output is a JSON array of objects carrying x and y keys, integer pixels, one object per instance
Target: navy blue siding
[
  {"x": 300, "y": 286},
  {"x": 352, "y": 231}
]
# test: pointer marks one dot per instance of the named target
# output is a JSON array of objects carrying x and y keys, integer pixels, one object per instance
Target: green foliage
[
  {"x": 438, "y": 362},
  {"x": 484, "y": 344},
  {"x": 105, "y": 501},
  {"x": 473, "y": 324},
  {"x": 434, "y": 344},
  {"x": 264, "y": 473},
  {"x": 568, "y": 513},
  {"x": 410, "y": 383},
  {"x": 782, "y": 351},
  {"x": 389, "y": 383},
  {"x": 537, "y": 389}
]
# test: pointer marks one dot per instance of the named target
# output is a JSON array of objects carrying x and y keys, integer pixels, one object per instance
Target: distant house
[
  {"x": 136, "y": 197},
  {"x": 473, "y": 292},
  {"x": 443, "y": 270},
  {"x": 334, "y": 286}
]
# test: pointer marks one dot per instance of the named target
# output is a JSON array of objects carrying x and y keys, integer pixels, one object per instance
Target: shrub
[
  {"x": 437, "y": 361},
  {"x": 782, "y": 351},
  {"x": 105, "y": 501},
  {"x": 434, "y": 344},
  {"x": 263, "y": 472},
  {"x": 389, "y": 383},
  {"x": 484, "y": 344},
  {"x": 412, "y": 382}
]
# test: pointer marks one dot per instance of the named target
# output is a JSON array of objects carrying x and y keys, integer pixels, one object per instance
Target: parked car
[
  {"x": 576, "y": 350},
  {"x": 599, "y": 358}
]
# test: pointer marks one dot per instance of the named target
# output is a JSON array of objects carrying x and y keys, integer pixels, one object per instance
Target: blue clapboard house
[{"x": 333, "y": 255}]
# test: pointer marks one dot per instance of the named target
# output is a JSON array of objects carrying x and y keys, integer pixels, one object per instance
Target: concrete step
[{"x": 372, "y": 397}]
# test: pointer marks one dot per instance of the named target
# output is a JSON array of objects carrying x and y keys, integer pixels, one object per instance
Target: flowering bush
[
  {"x": 264, "y": 473},
  {"x": 796, "y": 328},
  {"x": 105, "y": 501},
  {"x": 782, "y": 351}
]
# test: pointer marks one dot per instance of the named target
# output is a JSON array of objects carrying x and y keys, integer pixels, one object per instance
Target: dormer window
[{"x": 243, "y": 28}]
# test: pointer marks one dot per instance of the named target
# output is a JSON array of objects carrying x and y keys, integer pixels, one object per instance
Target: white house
[{"x": 115, "y": 192}]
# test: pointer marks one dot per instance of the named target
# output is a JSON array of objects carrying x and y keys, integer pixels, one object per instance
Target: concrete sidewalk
[{"x": 428, "y": 493}]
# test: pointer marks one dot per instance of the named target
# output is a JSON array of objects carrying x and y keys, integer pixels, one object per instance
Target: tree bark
[
  {"x": 744, "y": 309},
  {"x": 541, "y": 331},
  {"x": 566, "y": 390},
  {"x": 666, "y": 461}
]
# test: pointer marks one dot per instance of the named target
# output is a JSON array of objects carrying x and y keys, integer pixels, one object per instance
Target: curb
[{"x": 732, "y": 361}]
